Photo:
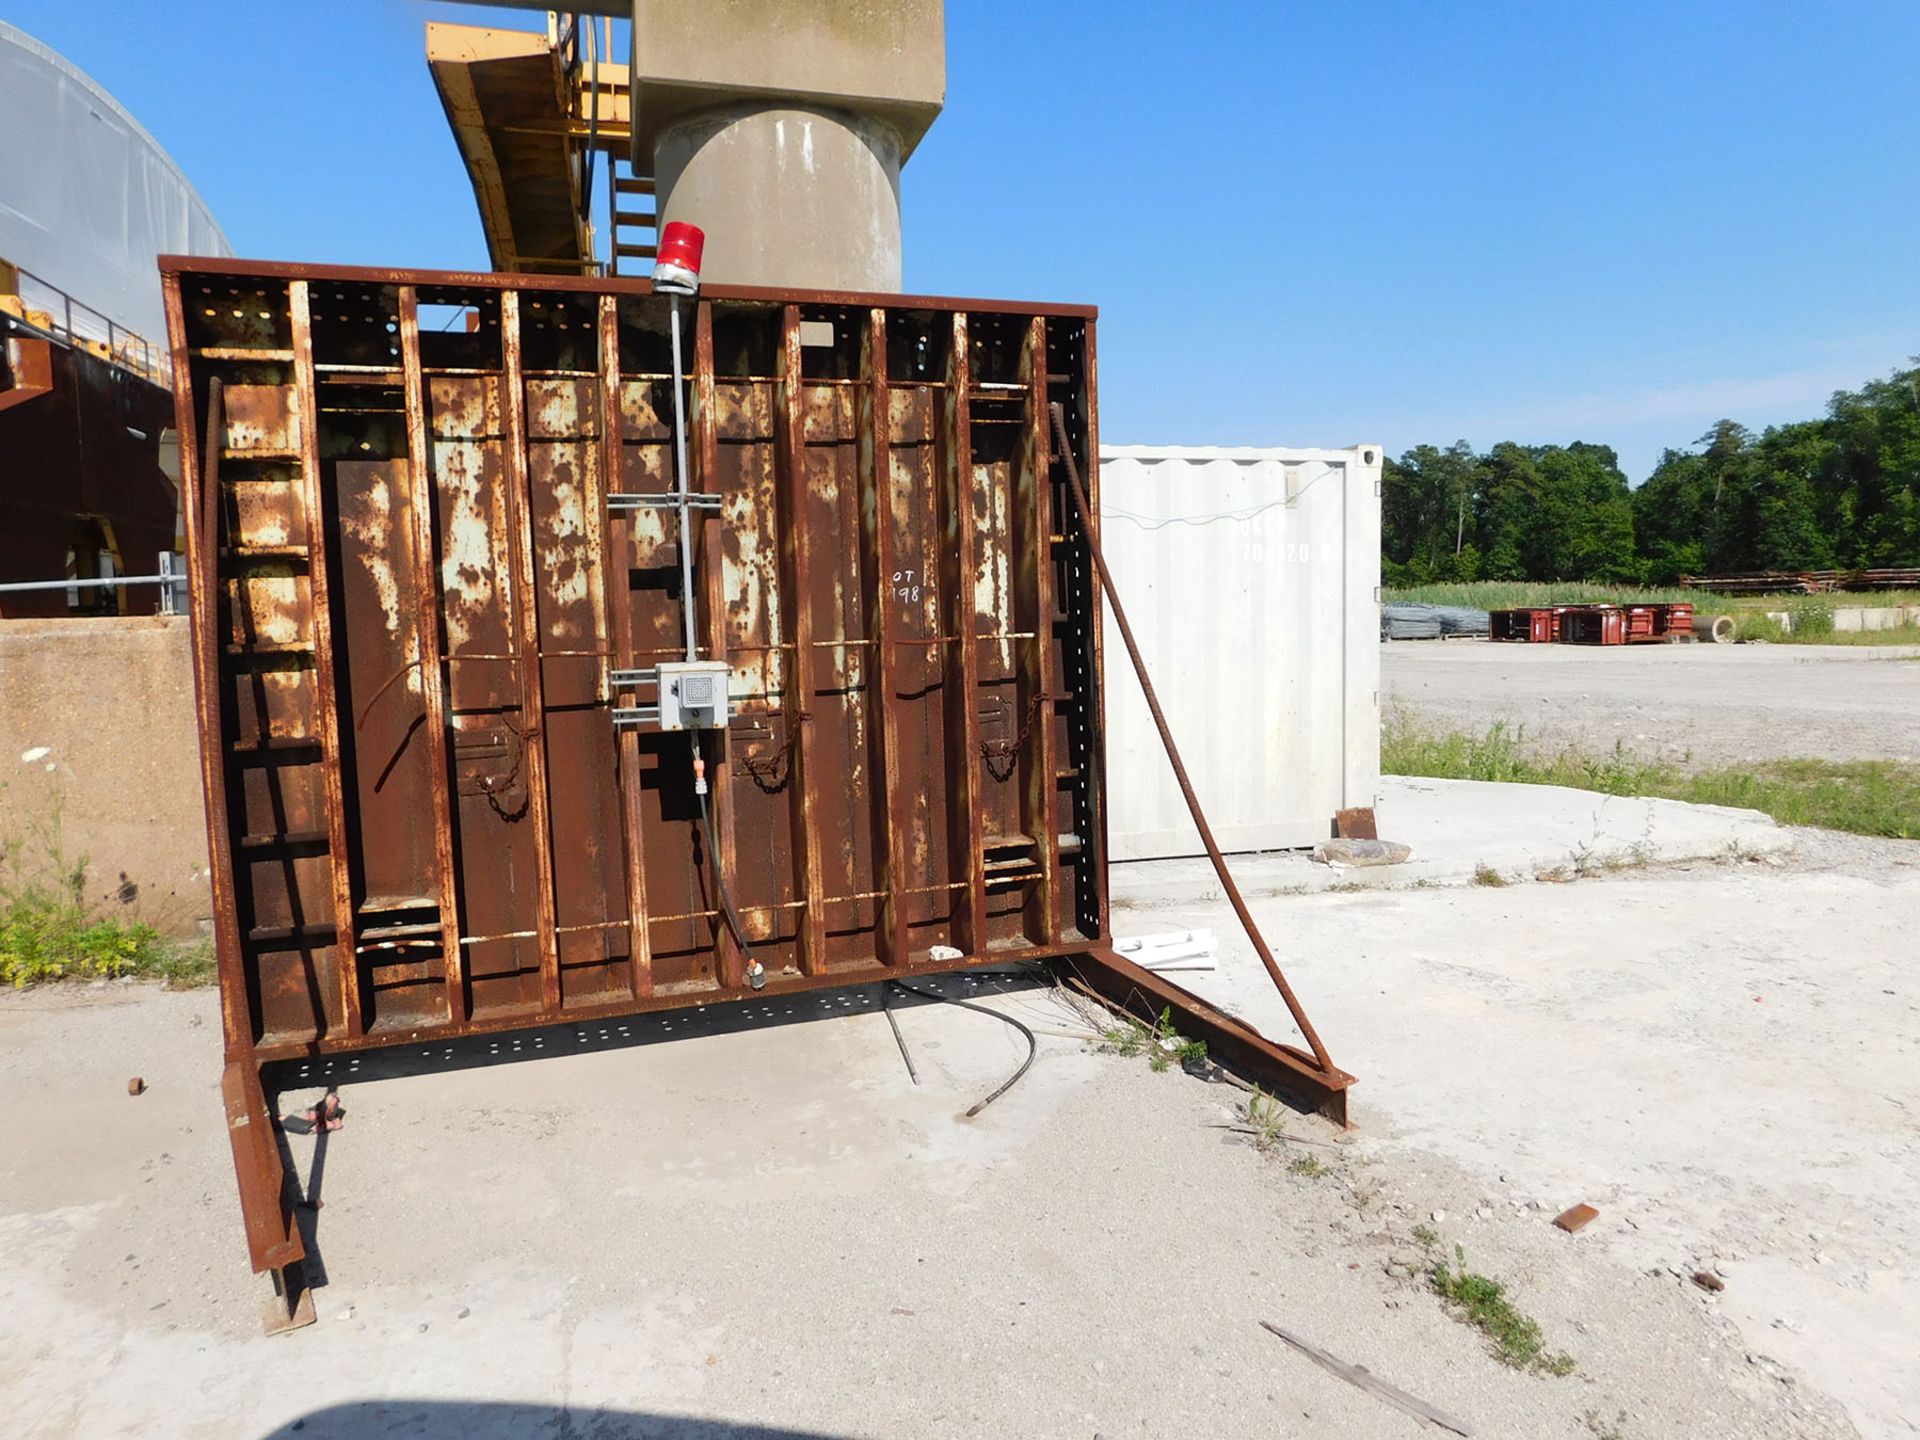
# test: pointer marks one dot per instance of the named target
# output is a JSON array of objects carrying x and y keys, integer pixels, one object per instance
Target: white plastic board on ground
[{"x": 1251, "y": 578}]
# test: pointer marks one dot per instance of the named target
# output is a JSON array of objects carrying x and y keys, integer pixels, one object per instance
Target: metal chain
[
  {"x": 998, "y": 753},
  {"x": 771, "y": 772},
  {"x": 493, "y": 786}
]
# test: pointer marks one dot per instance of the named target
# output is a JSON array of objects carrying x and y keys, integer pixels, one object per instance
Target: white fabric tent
[{"x": 87, "y": 197}]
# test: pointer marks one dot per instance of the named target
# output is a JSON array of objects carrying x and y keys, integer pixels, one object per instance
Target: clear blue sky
[{"x": 1304, "y": 223}]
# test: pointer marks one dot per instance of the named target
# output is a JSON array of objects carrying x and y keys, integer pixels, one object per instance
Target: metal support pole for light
[
  {"x": 683, "y": 490},
  {"x": 676, "y": 271}
]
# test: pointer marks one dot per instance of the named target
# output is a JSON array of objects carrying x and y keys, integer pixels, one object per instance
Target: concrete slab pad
[
  {"x": 1457, "y": 827},
  {"x": 1718, "y": 1059}
]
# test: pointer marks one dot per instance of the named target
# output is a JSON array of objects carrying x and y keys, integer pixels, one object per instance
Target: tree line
[{"x": 1839, "y": 492}]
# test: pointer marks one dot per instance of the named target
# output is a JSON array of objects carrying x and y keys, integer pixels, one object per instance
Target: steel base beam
[
  {"x": 1292, "y": 1074},
  {"x": 266, "y": 1207}
]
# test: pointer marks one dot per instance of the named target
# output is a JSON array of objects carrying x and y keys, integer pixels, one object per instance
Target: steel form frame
[{"x": 1049, "y": 562}]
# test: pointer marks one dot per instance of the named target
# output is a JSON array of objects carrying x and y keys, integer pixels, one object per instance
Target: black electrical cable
[
  {"x": 1033, "y": 1043},
  {"x": 720, "y": 882}
]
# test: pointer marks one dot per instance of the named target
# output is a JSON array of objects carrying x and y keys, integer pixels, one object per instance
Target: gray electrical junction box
[{"x": 693, "y": 694}]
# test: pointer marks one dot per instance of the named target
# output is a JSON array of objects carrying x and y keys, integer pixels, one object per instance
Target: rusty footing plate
[
  {"x": 291, "y": 1305},
  {"x": 1355, "y": 824},
  {"x": 1292, "y": 1074}
]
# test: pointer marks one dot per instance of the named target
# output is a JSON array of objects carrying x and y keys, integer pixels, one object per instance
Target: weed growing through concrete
[
  {"x": 1485, "y": 874},
  {"x": 1161, "y": 1042},
  {"x": 1267, "y": 1117},
  {"x": 1865, "y": 797},
  {"x": 1307, "y": 1165},
  {"x": 1482, "y": 1302},
  {"x": 1426, "y": 1235},
  {"x": 1588, "y": 862}
]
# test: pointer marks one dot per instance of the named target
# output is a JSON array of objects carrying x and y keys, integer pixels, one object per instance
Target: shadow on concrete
[
  {"x": 489, "y": 1420},
  {"x": 584, "y": 1037}
]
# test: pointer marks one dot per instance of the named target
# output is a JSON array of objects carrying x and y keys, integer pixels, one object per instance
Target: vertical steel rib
[{"x": 426, "y": 574}]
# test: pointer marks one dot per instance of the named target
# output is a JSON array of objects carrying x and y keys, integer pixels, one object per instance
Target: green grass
[
  {"x": 1483, "y": 1303},
  {"x": 49, "y": 931},
  {"x": 1267, "y": 1117},
  {"x": 1864, "y": 797},
  {"x": 1893, "y": 635},
  {"x": 1507, "y": 594}
]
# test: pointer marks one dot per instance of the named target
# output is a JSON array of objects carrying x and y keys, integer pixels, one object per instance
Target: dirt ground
[
  {"x": 763, "y": 1228},
  {"x": 1704, "y": 705}
]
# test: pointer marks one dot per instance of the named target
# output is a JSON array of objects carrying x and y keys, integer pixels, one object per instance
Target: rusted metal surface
[
  {"x": 1593, "y": 625},
  {"x": 1280, "y": 1069},
  {"x": 1357, "y": 822},
  {"x": 1535, "y": 625},
  {"x": 1600, "y": 624},
  {"x": 80, "y": 459},
  {"x": 1315, "y": 1076},
  {"x": 1805, "y": 582},
  {"x": 1673, "y": 621},
  {"x": 409, "y": 594}
]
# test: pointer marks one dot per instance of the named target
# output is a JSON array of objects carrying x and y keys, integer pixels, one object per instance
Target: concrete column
[
  {"x": 779, "y": 127},
  {"x": 796, "y": 196}
]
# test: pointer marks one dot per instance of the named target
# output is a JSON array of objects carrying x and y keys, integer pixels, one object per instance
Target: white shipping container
[{"x": 1251, "y": 578}]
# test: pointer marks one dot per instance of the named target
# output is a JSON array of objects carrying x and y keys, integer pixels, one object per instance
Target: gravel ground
[{"x": 1704, "y": 705}]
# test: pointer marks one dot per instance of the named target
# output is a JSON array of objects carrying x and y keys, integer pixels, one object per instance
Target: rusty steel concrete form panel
[
  {"x": 411, "y": 595},
  {"x": 421, "y": 584}
]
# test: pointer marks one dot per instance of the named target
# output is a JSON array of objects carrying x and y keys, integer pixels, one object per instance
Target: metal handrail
[
  {"x": 172, "y": 583},
  {"x": 126, "y": 348}
]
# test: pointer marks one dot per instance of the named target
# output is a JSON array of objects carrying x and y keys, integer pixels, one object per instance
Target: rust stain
[
  {"x": 268, "y": 513},
  {"x": 367, "y": 515},
  {"x": 272, "y": 606},
  {"x": 470, "y": 557},
  {"x": 554, "y": 826},
  {"x": 992, "y": 578},
  {"x": 567, "y": 572},
  {"x": 262, "y": 418}
]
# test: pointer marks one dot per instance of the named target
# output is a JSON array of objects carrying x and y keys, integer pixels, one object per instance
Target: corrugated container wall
[{"x": 1251, "y": 577}]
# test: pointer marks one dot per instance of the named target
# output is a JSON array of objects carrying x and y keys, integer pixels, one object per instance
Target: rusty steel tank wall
[
  {"x": 79, "y": 446},
  {"x": 410, "y": 593}
]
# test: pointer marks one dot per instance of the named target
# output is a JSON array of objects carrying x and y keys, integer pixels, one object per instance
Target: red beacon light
[{"x": 676, "y": 266}]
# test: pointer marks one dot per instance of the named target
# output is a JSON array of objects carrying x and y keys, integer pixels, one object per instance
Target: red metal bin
[
  {"x": 1593, "y": 625},
  {"x": 1535, "y": 625},
  {"x": 1673, "y": 622}
]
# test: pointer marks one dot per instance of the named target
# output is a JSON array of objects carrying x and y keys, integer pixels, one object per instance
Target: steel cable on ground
[{"x": 1033, "y": 1041}]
